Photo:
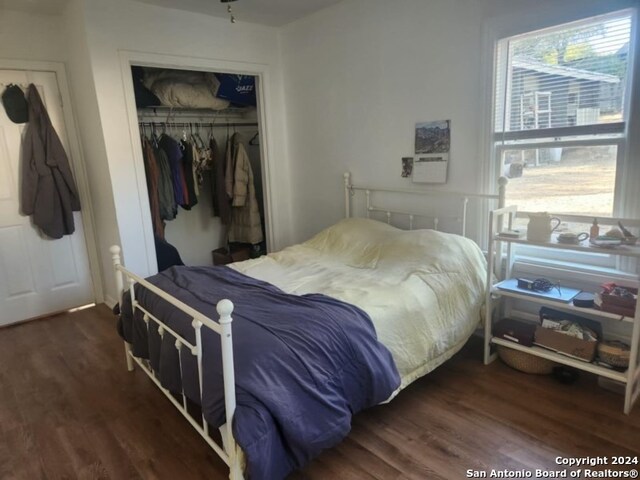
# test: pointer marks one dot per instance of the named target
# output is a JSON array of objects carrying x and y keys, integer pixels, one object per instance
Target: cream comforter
[{"x": 422, "y": 289}]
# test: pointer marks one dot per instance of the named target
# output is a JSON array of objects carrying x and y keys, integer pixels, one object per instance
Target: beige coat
[{"x": 246, "y": 225}]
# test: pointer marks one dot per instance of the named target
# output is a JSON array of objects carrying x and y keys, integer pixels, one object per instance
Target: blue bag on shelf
[{"x": 238, "y": 89}]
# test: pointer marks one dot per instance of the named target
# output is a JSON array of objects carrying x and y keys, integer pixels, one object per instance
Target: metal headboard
[{"x": 462, "y": 197}]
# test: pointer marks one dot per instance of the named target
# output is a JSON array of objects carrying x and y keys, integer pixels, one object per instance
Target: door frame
[
  {"x": 76, "y": 160},
  {"x": 129, "y": 58}
]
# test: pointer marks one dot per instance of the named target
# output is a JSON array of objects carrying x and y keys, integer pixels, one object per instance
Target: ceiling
[
  {"x": 43, "y": 7},
  {"x": 266, "y": 12}
]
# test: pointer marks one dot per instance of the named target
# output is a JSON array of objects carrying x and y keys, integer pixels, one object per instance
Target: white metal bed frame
[
  {"x": 350, "y": 189},
  {"x": 229, "y": 451}
]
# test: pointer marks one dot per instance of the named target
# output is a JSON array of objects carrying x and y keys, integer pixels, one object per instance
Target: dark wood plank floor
[{"x": 69, "y": 409}]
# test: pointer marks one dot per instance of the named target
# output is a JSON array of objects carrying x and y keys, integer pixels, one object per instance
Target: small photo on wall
[
  {"x": 407, "y": 166},
  {"x": 433, "y": 137}
]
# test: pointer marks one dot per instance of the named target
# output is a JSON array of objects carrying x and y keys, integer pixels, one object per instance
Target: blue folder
[{"x": 565, "y": 294}]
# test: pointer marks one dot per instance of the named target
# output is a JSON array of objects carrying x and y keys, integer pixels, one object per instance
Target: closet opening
[{"x": 200, "y": 139}]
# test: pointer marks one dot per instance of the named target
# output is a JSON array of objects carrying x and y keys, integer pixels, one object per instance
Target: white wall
[
  {"x": 359, "y": 75},
  {"x": 31, "y": 36},
  {"x": 85, "y": 106},
  {"x": 120, "y": 25}
]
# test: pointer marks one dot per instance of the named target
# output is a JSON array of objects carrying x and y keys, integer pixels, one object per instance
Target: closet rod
[{"x": 201, "y": 124}]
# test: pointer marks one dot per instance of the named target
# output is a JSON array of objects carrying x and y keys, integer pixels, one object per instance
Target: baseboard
[{"x": 110, "y": 301}]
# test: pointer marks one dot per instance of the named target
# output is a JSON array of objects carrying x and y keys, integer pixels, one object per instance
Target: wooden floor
[{"x": 69, "y": 409}]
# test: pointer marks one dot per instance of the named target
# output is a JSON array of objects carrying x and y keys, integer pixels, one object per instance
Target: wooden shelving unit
[{"x": 631, "y": 377}]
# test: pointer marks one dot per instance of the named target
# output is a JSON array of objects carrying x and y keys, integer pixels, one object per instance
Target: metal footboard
[{"x": 229, "y": 451}]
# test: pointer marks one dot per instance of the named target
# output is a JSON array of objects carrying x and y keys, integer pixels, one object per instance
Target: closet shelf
[{"x": 172, "y": 114}]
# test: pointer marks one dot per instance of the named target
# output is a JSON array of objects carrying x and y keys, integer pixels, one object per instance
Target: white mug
[{"x": 539, "y": 228}]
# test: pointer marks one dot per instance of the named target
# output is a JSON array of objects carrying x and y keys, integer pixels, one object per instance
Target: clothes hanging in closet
[
  {"x": 221, "y": 202},
  {"x": 229, "y": 163},
  {"x": 202, "y": 158},
  {"x": 175, "y": 172},
  {"x": 152, "y": 173},
  {"x": 246, "y": 225},
  {"x": 174, "y": 155},
  {"x": 167, "y": 201},
  {"x": 194, "y": 166},
  {"x": 187, "y": 163}
]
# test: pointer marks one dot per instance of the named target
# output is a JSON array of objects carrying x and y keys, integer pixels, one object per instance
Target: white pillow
[{"x": 355, "y": 242}]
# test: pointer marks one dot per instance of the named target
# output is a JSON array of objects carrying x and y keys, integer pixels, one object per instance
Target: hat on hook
[{"x": 15, "y": 104}]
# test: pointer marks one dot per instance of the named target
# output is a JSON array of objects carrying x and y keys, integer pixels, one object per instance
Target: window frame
[{"x": 616, "y": 133}]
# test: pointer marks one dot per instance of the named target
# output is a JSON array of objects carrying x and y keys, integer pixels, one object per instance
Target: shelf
[
  {"x": 630, "y": 378},
  {"x": 569, "y": 307},
  {"x": 564, "y": 360},
  {"x": 622, "y": 250},
  {"x": 163, "y": 114}
]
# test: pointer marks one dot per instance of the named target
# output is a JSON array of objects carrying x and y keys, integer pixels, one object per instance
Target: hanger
[
  {"x": 255, "y": 140},
  {"x": 184, "y": 137},
  {"x": 154, "y": 136},
  {"x": 169, "y": 115},
  {"x": 199, "y": 142}
]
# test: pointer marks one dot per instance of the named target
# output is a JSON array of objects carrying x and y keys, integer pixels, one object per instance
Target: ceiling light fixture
[{"x": 231, "y": 16}]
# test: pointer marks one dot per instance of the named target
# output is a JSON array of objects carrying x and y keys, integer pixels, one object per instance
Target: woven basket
[
  {"x": 614, "y": 353},
  {"x": 525, "y": 362}
]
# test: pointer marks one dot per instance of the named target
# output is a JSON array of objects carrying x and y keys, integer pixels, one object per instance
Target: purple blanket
[{"x": 304, "y": 365}]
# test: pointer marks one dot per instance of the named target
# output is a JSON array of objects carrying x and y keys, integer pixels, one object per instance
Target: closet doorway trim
[{"x": 129, "y": 58}]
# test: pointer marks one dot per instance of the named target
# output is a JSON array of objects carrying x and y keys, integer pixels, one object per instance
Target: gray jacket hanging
[{"x": 49, "y": 192}]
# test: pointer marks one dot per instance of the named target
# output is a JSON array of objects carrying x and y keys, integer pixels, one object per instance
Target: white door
[{"x": 38, "y": 275}]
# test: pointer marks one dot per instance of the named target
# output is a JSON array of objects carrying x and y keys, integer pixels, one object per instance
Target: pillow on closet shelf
[
  {"x": 185, "y": 95},
  {"x": 184, "y": 89}
]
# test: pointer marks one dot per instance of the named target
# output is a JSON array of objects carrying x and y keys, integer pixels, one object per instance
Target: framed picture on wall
[{"x": 433, "y": 137}]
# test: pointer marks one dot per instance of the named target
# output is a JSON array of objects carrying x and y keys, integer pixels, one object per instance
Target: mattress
[{"x": 422, "y": 289}]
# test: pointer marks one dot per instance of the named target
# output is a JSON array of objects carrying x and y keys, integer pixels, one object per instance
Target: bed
[{"x": 322, "y": 330}]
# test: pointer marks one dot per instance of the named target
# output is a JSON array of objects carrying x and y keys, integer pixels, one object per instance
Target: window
[
  {"x": 560, "y": 114},
  {"x": 560, "y": 111}
]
